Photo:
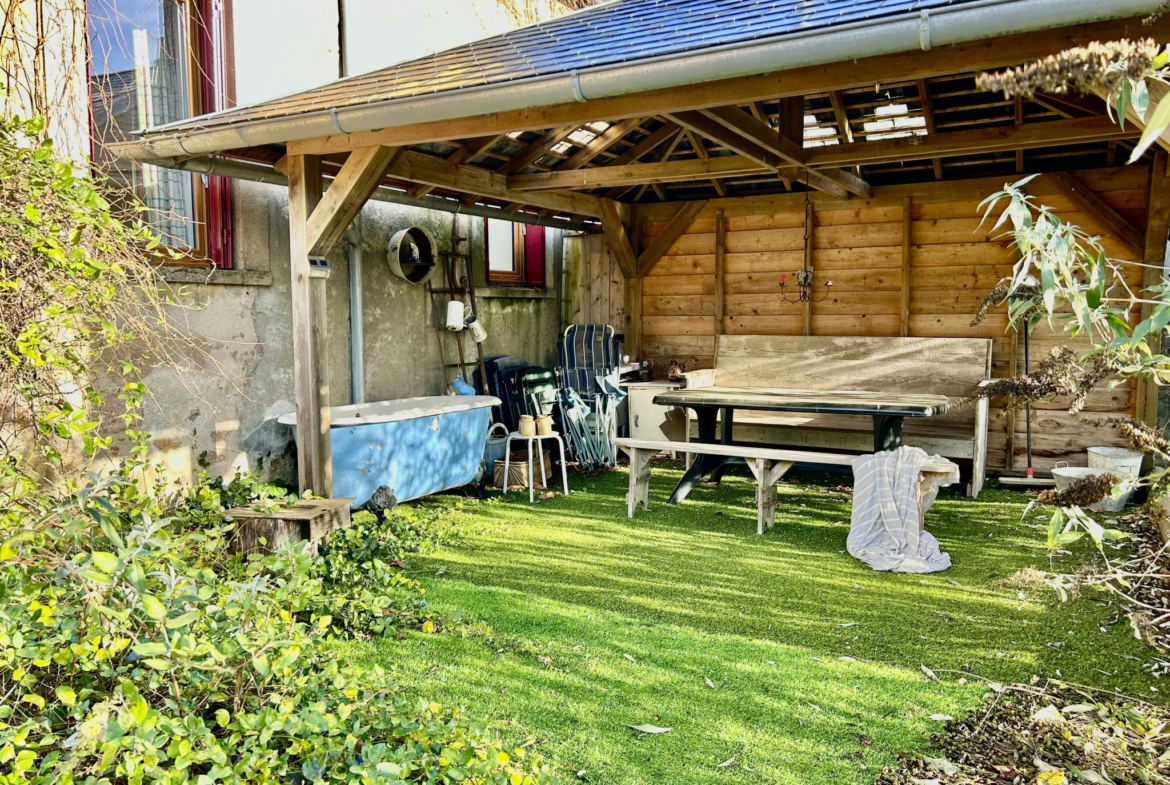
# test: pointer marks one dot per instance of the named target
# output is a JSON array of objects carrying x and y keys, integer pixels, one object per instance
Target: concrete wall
[{"x": 225, "y": 403}]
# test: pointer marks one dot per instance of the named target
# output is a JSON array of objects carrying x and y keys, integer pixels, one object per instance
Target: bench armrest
[{"x": 705, "y": 377}]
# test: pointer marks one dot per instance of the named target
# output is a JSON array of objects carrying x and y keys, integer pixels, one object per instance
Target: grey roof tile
[{"x": 614, "y": 33}]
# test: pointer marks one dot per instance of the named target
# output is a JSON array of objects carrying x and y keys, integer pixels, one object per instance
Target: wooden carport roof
[{"x": 840, "y": 128}]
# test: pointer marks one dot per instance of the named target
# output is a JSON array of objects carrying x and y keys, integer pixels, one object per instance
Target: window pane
[
  {"x": 139, "y": 79},
  {"x": 500, "y": 248}
]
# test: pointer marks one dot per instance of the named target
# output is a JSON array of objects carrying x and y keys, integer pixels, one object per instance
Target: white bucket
[
  {"x": 1067, "y": 475},
  {"x": 1126, "y": 464}
]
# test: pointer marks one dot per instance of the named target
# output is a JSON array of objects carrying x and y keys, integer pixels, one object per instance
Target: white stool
[{"x": 543, "y": 479}]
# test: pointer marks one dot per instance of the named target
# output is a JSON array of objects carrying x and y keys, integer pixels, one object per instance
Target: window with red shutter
[
  {"x": 153, "y": 62},
  {"x": 514, "y": 252}
]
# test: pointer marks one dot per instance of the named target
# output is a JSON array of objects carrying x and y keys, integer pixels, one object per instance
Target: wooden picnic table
[{"x": 888, "y": 410}]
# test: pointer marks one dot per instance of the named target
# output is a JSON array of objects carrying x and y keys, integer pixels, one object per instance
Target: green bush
[
  {"x": 132, "y": 650},
  {"x": 134, "y": 646}
]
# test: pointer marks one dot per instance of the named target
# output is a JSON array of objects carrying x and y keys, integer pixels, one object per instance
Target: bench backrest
[{"x": 942, "y": 366}]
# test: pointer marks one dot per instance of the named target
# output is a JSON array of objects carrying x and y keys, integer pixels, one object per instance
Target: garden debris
[
  {"x": 650, "y": 730},
  {"x": 1048, "y": 734},
  {"x": 709, "y": 683},
  {"x": 727, "y": 762},
  {"x": 629, "y": 657},
  {"x": 928, "y": 673},
  {"x": 1084, "y": 492}
]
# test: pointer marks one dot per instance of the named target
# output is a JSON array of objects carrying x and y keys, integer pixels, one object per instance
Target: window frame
[
  {"x": 524, "y": 271},
  {"x": 207, "y": 41}
]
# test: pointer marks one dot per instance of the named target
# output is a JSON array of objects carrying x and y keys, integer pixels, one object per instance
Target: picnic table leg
[
  {"x": 725, "y": 437},
  {"x": 700, "y": 465},
  {"x": 926, "y": 483},
  {"x": 887, "y": 432},
  {"x": 767, "y": 474},
  {"x": 639, "y": 491}
]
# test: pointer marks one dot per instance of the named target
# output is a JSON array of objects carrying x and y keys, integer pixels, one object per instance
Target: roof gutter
[
  {"x": 923, "y": 30},
  {"x": 258, "y": 173}
]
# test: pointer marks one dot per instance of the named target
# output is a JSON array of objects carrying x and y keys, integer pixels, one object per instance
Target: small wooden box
[
  {"x": 518, "y": 470},
  {"x": 311, "y": 519}
]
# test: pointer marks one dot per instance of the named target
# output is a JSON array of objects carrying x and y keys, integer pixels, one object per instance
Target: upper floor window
[
  {"x": 515, "y": 252},
  {"x": 154, "y": 62}
]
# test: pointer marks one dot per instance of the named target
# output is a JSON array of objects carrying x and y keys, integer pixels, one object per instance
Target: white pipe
[
  {"x": 907, "y": 32},
  {"x": 357, "y": 353}
]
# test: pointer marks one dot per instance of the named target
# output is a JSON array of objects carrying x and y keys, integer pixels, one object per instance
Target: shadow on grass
[{"x": 690, "y": 592}]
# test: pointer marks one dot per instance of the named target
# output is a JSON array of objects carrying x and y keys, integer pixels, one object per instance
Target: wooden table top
[{"x": 823, "y": 401}]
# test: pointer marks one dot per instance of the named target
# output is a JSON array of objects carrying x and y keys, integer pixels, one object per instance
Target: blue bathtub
[{"x": 414, "y": 446}]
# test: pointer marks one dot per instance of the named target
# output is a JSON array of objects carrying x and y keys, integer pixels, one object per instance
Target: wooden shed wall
[{"x": 951, "y": 263}]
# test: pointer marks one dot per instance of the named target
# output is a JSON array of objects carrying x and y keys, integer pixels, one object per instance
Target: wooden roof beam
[
  {"x": 599, "y": 144},
  {"x": 1106, "y": 218},
  {"x": 470, "y": 150},
  {"x": 359, "y": 177},
  {"x": 615, "y": 233},
  {"x": 646, "y": 145},
  {"x": 472, "y": 180},
  {"x": 842, "y": 117},
  {"x": 536, "y": 150},
  {"x": 833, "y": 181},
  {"x": 637, "y": 174},
  {"x": 928, "y": 117},
  {"x": 982, "y": 140},
  {"x": 669, "y": 236}
]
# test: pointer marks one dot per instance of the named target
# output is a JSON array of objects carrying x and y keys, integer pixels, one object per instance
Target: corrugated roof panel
[{"x": 616, "y": 32}]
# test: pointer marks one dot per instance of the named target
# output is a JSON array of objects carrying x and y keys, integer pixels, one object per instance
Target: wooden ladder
[{"x": 458, "y": 284}]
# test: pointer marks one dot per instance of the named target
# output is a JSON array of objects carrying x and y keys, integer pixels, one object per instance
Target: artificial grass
[{"x": 815, "y": 659}]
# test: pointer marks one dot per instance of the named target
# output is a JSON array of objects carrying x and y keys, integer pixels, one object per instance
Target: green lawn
[{"x": 815, "y": 659}]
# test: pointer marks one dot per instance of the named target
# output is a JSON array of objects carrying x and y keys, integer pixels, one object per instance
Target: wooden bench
[
  {"x": 768, "y": 465},
  {"x": 954, "y": 367}
]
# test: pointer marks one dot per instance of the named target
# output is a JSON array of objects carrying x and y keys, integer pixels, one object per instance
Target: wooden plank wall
[
  {"x": 594, "y": 290},
  {"x": 950, "y": 264}
]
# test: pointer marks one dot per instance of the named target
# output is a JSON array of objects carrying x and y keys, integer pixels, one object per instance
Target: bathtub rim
[{"x": 401, "y": 409}]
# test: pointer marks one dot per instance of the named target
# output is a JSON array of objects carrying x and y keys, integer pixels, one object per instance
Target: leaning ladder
[{"x": 458, "y": 284}]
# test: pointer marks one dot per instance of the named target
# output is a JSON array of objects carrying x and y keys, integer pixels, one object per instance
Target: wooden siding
[{"x": 858, "y": 244}]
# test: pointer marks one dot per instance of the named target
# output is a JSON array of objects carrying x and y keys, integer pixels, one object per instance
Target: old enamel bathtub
[{"x": 414, "y": 446}]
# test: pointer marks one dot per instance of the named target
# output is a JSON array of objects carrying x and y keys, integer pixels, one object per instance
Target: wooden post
[
  {"x": 633, "y": 293},
  {"x": 808, "y": 261},
  {"x": 720, "y": 269},
  {"x": 1010, "y": 411},
  {"x": 1157, "y": 225},
  {"x": 907, "y": 226},
  {"x": 310, "y": 370}
]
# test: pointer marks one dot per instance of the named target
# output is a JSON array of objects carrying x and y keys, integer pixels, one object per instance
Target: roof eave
[{"x": 924, "y": 30}]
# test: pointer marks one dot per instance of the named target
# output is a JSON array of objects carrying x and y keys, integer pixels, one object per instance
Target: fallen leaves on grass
[
  {"x": 709, "y": 683},
  {"x": 730, "y": 761},
  {"x": 928, "y": 673},
  {"x": 629, "y": 657},
  {"x": 1047, "y": 734},
  {"x": 650, "y": 730}
]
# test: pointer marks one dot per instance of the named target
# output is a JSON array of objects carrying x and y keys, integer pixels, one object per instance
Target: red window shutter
[
  {"x": 219, "y": 222},
  {"x": 534, "y": 256}
]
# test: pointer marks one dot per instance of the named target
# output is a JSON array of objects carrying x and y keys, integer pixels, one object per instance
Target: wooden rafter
[
  {"x": 984, "y": 140},
  {"x": 472, "y": 180},
  {"x": 599, "y": 144},
  {"x": 662, "y": 153},
  {"x": 470, "y": 150},
  {"x": 536, "y": 150},
  {"x": 358, "y": 178},
  {"x": 841, "y": 116},
  {"x": 637, "y": 174},
  {"x": 697, "y": 145},
  {"x": 738, "y": 130},
  {"x": 1071, "y": 106},
  {"x": 646, "y": 145},
  {"x": 928, "y": 117},
  {"x": 1102, "y": 214},
  {"x": 619, "y": 241},
  {"x": 668, "y": 237}
]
